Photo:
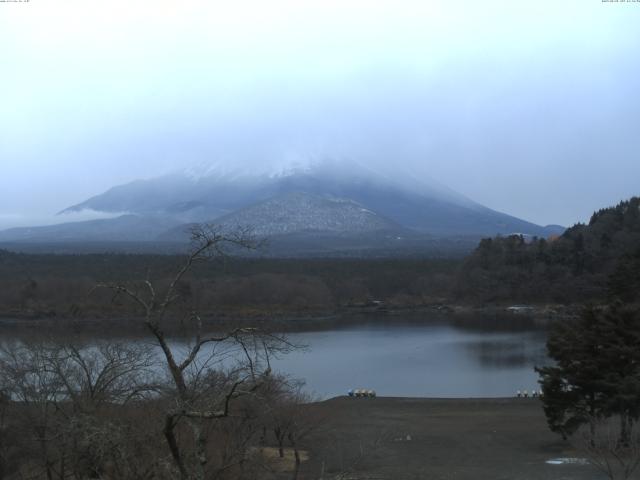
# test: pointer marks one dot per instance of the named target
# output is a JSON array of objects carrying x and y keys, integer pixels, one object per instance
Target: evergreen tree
[
  {"x": 597, "y": 370},
  {"x": 624, "y": 282},
  {"x": 571, "y": 387},
  {"x": 620, "y": 364}
]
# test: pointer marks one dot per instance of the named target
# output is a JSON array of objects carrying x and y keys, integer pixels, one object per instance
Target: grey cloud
[{"x": 543, "y": 131}]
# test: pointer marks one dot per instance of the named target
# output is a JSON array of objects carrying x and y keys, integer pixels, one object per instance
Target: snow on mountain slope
[
  {"x": 213, "y": 192},
  {"x": 214, "y": 189},
  {"x": 299, "y": 212}
]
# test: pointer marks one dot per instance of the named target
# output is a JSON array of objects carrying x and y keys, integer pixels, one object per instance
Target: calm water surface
[
  {"x": 423, "y": 358},
  {"x": 410, "y": 359}
]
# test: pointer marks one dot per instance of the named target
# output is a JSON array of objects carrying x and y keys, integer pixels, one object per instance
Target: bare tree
[
  {"x": 197, "y": 393},
  {"x": 287, "y": 416},
  {"x": 26, "y": 379},
  {"x": 5, "y": 435},
  {"x": 106, "y": 409},
  {"x": 61, "y": 397},
  {"x": 601, "y": 443}
]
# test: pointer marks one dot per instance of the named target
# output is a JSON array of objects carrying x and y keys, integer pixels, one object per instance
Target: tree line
[
  {"x": 578, "y": 266},
  {"x": 56, "y": 285}
]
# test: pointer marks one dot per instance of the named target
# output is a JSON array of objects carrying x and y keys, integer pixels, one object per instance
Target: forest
[
  {"x": 581, "y": 265},
  {"x": 66, "y": 408}
]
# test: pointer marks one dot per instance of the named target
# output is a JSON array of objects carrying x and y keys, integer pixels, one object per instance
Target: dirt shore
[{"x": 448, "y": 439}]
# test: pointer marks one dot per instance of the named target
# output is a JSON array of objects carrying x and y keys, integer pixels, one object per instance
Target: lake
[
  {"x": 416, "y": 359},
  {"x": 424, "y": 356}
]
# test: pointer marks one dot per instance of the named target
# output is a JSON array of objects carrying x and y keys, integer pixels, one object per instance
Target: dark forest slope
[{"x": 585, "y": 263}]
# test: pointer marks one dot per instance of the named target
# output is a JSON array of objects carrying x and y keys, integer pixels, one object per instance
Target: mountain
[
  {"x": 207, "y": 193},
  {"x": 119, "y": 229},
  {"x": 299, "y": 212},
  {"x": 327, "y": 198}
]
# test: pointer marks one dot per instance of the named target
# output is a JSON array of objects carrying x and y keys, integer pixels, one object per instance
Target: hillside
[
  {"x": 130, "y": 228},
  {"x": 300, "y": 212},
  {"x": 320, "y": 204},
  {"x": 576, "y": 265}
]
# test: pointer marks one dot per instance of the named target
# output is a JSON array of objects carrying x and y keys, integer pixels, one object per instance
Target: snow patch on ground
[{"x": 567, "y": 461}]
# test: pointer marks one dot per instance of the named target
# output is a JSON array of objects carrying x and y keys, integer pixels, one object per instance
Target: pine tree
[
  {"x": 597, "y": 370},
  {"x": 624, "y": 282},
  {"x": 571, "y": 387}
]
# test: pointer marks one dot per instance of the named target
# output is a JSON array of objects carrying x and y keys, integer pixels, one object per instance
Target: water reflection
[
  {"x": 408, "y": 359},
  {"x": 419, "y": 356},
  {"x": 508, "y": 352}
]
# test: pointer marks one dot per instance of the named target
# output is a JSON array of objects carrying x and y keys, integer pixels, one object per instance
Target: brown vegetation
[
  {"x": 152, "y": 410},
  {"x": 56, "y": 286}
]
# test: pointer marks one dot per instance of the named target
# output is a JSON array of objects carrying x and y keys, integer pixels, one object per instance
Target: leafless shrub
[
  {"x": 346, "y": 458},
  {"x": 287, "y": 417},
  {"x": 601, "y": 442},
  {"x": 62, "y": 398}
]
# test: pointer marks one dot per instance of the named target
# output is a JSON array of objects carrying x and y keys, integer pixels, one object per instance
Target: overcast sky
[{"x": 528, "y": 107}]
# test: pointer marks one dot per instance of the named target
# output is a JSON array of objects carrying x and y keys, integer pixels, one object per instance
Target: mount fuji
[{"x": 324, "y": 200}]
